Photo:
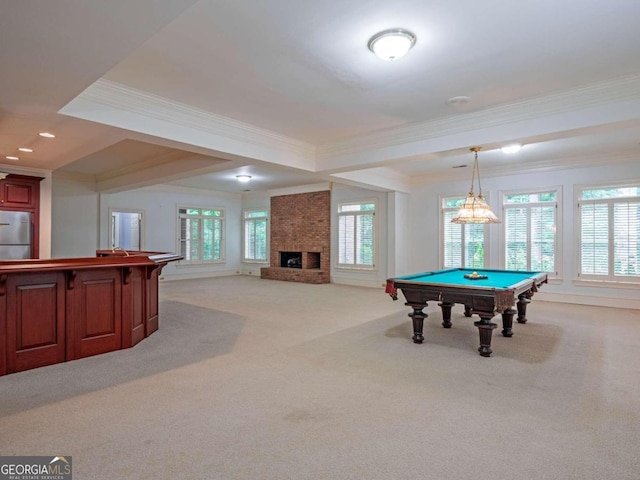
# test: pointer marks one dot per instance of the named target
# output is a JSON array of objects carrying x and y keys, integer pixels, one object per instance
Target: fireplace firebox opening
[{"x": 291, "y": 259}]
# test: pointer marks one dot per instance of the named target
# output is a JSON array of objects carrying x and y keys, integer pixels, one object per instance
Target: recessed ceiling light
[
  {"x": 11, "y": 157},
  {"x": 459, "y": 100},
  {"x": 25, "y": 149},
  {"x": 515, "y": 148},
  {"x": 392, "y": 44},
  {"x": 243, "y": 178},
  {"x": 47, "y": 135}
]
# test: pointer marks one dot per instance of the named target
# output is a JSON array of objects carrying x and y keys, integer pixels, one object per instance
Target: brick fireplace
[{"x": 300, "y": 238}]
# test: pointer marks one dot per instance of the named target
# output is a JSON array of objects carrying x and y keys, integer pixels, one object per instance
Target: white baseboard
[
  {"x": 356, "y": 282},
  {"x": 194, "y": 275},
  {"x": 592, "y": 300},
  {"x": 252, "y": 272}
]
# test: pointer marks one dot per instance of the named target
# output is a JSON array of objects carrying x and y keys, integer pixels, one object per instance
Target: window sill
[
  {"x": 183, "y": 264},
  {"x": 342, "y": 268},
  {"x": 606, "y": 284}
]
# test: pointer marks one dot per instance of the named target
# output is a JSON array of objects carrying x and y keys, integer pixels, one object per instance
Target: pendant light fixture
[{"x": 475, "y": 209}]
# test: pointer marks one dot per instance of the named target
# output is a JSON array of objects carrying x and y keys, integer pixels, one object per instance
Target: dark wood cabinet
[
  {"x": 17, "y": 191},
  {"x": 22, "y": 193},
  {"x": 35, "y": 304},
  {"x": 94, "y": 312},
  {"x": 56, "y": 310}
]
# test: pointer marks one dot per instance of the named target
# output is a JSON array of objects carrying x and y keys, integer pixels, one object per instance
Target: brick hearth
[{"x": 300, "y": 223}]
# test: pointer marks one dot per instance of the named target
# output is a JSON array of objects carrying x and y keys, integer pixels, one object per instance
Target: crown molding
[
  {"x": 588, "y": 96},
  {"x": 19, "y": 170},
  {"x": 550, "y": 165},
  {"x": 123, "y": 98}
]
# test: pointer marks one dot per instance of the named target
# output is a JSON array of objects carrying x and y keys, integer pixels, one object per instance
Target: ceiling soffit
[{"x": 596, "y": 104}]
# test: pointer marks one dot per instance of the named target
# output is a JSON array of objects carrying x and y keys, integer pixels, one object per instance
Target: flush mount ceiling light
[
  {"x": 392, "y": 44},
  {"x": 47, "y": 135},
  {"x": 25, "y": 149},
  {"x": 243, "y": 178},
  {"x": 514, "y": 148},
  {"x": 11, "y": 157}
]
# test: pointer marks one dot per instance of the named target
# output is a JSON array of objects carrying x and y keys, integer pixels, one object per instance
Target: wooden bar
[{"x": 57, "y": 310}]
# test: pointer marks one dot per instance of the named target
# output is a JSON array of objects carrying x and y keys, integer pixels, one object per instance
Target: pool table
[{"x": 483, "y": 292}]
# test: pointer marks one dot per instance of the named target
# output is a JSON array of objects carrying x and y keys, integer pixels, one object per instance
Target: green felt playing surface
[{"x": 455, "y": 276}]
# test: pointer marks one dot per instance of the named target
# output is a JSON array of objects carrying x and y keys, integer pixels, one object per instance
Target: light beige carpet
[{"x": 260, "y": 379}]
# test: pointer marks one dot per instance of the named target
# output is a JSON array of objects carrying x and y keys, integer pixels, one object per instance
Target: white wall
[
  {"x": 398, "y": 233},
  {"x": 160, "y": 207},
  {"x": 74, "y": 219},
  {"x": 407, "y": 227},
  {"x": 425, "y": 237}
]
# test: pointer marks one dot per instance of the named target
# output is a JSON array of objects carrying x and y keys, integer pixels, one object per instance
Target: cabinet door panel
[
  {"x": 18, "y": 195},
  {"x": 36, "y": 321},
  {"x": 94, "y": 313}
]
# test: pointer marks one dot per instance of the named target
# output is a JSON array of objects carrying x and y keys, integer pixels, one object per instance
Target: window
[
  {"x": 356, "y": 235},
  {"x": 531, "y": 231},
  {"x": 201, "y": 235},
  {"x": 255, "y": 236},
  {"x": 610, "y": 233},
  {"x": 463, "y": 244}
]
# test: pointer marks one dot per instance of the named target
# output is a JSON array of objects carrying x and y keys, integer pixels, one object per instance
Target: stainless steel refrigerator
[{"x": 15, "y": 235}]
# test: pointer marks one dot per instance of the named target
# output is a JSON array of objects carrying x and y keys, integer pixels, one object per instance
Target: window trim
[
  {"x": 267, "y": 246},
  {"x": 223, "y": 236},
  {"x": 557, "y": 189},
  {"x": 354, "y": 266},
  {"x": 610, "y": 280}
]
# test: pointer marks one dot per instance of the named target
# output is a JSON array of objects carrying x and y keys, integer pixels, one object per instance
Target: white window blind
[
  {"x": 543, "y": 239},
  {"x": 626, "y": 240},
  {"x": 463, "y": 244},
  {"x": 516, "y": 233},
  {"x": 610, "y": 233},
  {"x": 356, "y": 235},
  {"x": 530, "y": 231},
  {"x": 255, "y": 235},
  {"x": 452, "y": 251},
  {"x": 594, "y": 247}
]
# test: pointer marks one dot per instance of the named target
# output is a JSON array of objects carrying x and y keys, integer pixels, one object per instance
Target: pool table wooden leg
[
  {"x": 446, "y": 314},
  {"x": 417, "y": 316},
  {"x": 485, "y": 329},
  {"x": 523, "y": 301},
  {"x": 507, "y": 322}
]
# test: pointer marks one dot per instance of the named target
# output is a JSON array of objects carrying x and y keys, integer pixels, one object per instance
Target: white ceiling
[{"x": 194, "y": 92}]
